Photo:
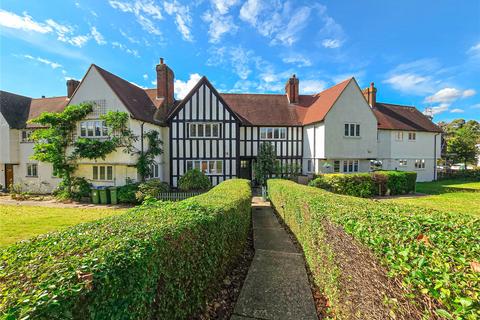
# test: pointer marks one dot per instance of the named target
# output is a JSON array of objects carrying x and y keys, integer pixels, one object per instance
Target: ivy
[{"x": 147, "y": 158}]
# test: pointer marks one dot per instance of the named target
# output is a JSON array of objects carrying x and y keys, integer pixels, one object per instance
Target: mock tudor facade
[{"x": 341, "y": 129}]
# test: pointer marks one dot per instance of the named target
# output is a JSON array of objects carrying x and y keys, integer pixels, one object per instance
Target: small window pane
[
  {"x": 90, "y": 129},
  {"x": 98, "y": 129},
  {"x": 346, "y": 129},
  {"x": 269, "y": 133},
  {"x": 95, "y": 173},
  {"x": 357, "y": 133},
  {"x": 352, "y": 129},
  {"x": 219, "y": 166},
  {"x": 345, "y": 166},
  {"x": 355, "y": 166},
  {"x": 204, "y": 166},
  {"x": 208, "y": 130},
  {"x": 193, "y": 130},
  {"x": 350, "y": 166},
  {"x": 283, "y": 133},
  {"x": 336, "y": 166},
  {"x": 276, "y": 133},
  {"x": 83, "y": 129},
  {"x": 211, "y": 168},
  {"x": 263, "y": 133},
  {"x": 189, "y": 165},
  {"x": 109, "y": 173},
  {"x": 215, "y": 130},
  {"x": 102, "y": 173},
  {"x": 200, "y": 130},
  {"x": 104, "y": 129}
]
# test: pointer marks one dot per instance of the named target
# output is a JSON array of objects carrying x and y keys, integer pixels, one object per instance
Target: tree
[
  {"x": 55, "y": 143},
  {"x": 462, "y": 144},
  {"x": 266, "y": 164}
]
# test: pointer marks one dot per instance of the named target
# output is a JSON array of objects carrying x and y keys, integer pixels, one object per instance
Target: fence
[{"x": 178, "y": 196}]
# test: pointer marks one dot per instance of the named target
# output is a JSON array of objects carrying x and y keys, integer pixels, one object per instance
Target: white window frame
[
  {"x": 336, "y": 166},
  {"x": 211, "y": 166},
  {"x": 349, "y": 127},
  {"x": 194, "y": 130},
  {"x": 25, "y": 135},
  {"x": 99, "y": 170},
  {"x": 273, "y": 133},
  {"x": 154, "y": 171},
  {"x": 419, "y": 164},
  {"x": 412, "y": 136},
  {"x": 32, "y": 170},
  {"x": 402, "y": 162},
  {"x": 350, "y": 166},
  {"x": 86, "y": 125},
  {"x": 399, "y": 136}
]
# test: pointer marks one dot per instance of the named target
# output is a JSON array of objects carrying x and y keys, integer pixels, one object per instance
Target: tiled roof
[
  {"x": 40, "y": 105},
  {"x": 397, "y": 117}
]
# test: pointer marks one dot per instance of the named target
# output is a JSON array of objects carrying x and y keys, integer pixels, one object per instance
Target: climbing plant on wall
[{"x": 55, "y": 143}]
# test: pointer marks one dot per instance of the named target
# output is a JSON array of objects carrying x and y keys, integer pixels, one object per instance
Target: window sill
[
  {"x": 349, "y": 137},
  {"x": 31, "y": 176}
]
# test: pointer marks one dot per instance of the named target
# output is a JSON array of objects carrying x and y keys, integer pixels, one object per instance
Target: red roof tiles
[{"x": 397, "y": 117}]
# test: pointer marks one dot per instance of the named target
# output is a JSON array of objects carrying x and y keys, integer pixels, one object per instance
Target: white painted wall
[
  {"x": 350, "y": 107},
  {"x": 313, "y": 145}
]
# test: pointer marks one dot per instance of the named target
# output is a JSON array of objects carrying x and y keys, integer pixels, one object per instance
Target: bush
[
  {"x": 194, "y": 180},
  {"x": 432, "y": 252},
  {"x": 366, "y": 185},
  {"x": 126, "y": 193},
  {"x": 79, "y": 188},
  {"x": 155, "y": 261},
  {"x": 151, "y": 188}
]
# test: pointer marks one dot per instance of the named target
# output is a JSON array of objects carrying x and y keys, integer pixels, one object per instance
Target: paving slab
[
  {"x": 273, "y": 239},
  {"x": 276, "y": 287}
]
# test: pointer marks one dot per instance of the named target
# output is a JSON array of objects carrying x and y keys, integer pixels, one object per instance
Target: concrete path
[{"x": 276, "y": 286}]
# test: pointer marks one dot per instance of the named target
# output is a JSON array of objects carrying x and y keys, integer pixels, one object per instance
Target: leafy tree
[
  {"x": 265, "y": 165},
  {"x": 462, "y": 145}
]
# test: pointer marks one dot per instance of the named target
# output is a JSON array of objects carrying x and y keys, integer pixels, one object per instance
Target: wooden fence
[{"x": 178, "y": 196}]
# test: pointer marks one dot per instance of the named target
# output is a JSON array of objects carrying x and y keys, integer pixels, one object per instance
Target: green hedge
[
  {"x": 367, "y": 185},
  {"x": 158, "y": 261},
  {"x": 441, "y": 269}
]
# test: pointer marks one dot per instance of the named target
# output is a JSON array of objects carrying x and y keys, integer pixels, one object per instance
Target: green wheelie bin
[
  {"x": 113, "y": 195},
  {"x": 95, "y": 196},
  {"x": 103, "y": 195}
]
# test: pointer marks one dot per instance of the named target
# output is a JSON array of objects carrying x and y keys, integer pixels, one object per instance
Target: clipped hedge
[
  {"x": 435, "y": 254},
  {"x": 367, "y": 185},
  {"x": 157, "y": 261}
]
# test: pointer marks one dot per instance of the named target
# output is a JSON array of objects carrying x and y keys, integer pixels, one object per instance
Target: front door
[
  {"x": 8, "y": 175},
  {"x": 246, "y": 169}
]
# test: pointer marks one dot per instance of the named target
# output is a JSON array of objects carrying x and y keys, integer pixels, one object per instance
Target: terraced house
[{"x": 341, "y": 129}]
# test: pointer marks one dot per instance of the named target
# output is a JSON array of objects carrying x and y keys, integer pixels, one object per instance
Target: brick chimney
[
  {"x": 370, "y": 94},
  {"x": 71, "y": 86},
  {"x": 292, "y": 89},
  {"x": 165, "y": 79}
]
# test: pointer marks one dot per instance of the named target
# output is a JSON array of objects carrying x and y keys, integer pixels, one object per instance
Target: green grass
[
  {"x": 23, "y": 222},
  {"x": 442, "y": 198}
]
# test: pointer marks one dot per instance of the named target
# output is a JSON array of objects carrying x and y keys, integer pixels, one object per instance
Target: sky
[{"x": 421, "y": 53}]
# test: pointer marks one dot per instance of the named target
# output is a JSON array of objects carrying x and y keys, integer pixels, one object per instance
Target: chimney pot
[
  {"x": 292, "y": 89},
  {"x": 43, "y": 97},
  {"x": 161, "y": 60}
]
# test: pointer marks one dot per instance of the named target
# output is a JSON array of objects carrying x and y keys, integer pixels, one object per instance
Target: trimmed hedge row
[
  {"x": 434, "y": 253},
  {"x": 367, "y": 185},
  {"x": 161, "y": 260}
]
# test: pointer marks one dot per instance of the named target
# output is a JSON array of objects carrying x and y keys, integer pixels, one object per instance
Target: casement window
[
  {"x": 402, "y": 163},
  {"x": 336, "y": 166},
  {"x": 310, "y": 165},
  {"x": 32, "y": 170},
  {"x": 102, "y": 173},
  {"x": 206, "y": 166},
  {"x": 204, "y": 130},
  {"x": 93, "y": 129},
  {"x": 273, "y": 133},
  {"x": 412, "y": 136},
  {"x": 399, "y": 135},
  {"x": 154, "y": 171},
  {"x": 26, "y": 136},
  {"x": 352, "y": 130},
  {"x": 350, "y": 166},
  {"x": 420, "y": 164}
]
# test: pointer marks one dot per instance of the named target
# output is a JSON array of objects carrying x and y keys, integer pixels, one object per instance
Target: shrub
[
  {"x": 366, "y": 185},
  {"x": 194, "y": 180},
  {"x": 434, "y": 253},
  {"x": 126, "y": 193},
  {"x": 79, "y": 188},
  {"x": 151, "y": 188},
  {"x": 155, "y": 261}
]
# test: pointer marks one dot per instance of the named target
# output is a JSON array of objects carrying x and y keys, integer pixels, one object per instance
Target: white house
[{"x": 341, "y": 129}]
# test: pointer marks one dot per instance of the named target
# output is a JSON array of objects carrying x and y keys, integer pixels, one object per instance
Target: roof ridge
[
  {"x": 398, "y": 105},
  {"x": 56, "y": 97}
]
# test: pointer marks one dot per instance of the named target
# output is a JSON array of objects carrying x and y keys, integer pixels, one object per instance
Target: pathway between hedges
[{"x": 276, "y": 286}]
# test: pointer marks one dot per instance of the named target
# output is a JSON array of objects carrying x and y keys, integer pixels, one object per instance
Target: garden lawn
[
  {"x": 442, "y": 196},
  {"x": 23, "y": 222}
]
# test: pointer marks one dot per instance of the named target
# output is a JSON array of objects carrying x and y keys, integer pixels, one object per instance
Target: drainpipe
[
  {"x": 141, "y": 143},
  {"x": 435, "y": 156}
]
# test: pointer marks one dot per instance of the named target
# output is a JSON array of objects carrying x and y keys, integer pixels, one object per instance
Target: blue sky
[{"x": 422, "y": 53}]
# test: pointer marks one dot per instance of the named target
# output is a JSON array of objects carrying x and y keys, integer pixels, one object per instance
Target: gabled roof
[
  {"x": 398, "y": 117},
  {"x": 18, "y": 110},
  {"x": 141, "y": 105}
]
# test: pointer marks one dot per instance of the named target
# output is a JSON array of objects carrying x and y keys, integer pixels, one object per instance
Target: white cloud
[
  {"x": 219, "y": 25},
  {"x": 183, "y": 20},
  {"x": 53, "y": 65},
  {"x": 312, "y": 86},
  {"x": 129, "y": 38},
  {"x": 456, "y": 110},
  {"x": 468, "y": 93},
  {"x": 145, "y": 76},
  {"x": 440, "y": 108},
  {"x": 331, "y": 43},
  {"x": 124, "y": 48},
  {"x": 476, "y": 106},
  {"x": 65, "y": 33},
  {"x": 474, "y": 50},
  {"x": 144, "y": 11},
  {"x": 25, "y": 22},
  {"x": 223, "y": 6},
  {"x": 250, "y": 11},
  {"x": 449, "y": 95},
  {"x": 298, "y": 22},
  {"x": 182, "y": 88},
  {"x": 409, "y": 83},
  {"x": 97, "y": 36}
]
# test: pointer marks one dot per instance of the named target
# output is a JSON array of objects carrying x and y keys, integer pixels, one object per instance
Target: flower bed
[
  {"x": 159, "y": 260},
  {"x": 434, "y": 254}
]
